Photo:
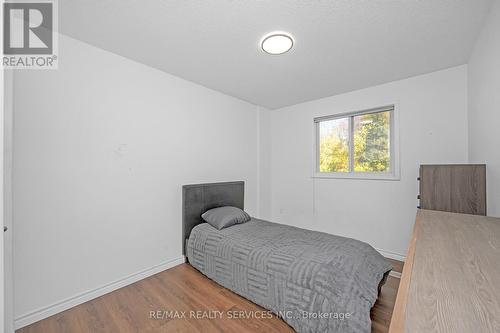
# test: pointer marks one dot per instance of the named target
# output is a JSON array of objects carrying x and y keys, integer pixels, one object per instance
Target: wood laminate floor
[{"x": 182, "y": 289}]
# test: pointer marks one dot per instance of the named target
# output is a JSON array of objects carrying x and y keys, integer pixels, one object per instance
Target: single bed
[{"x": 314, "y": 281}]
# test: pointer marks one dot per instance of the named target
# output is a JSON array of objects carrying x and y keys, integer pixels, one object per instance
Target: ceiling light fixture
[{"x": 277, "y": 43}]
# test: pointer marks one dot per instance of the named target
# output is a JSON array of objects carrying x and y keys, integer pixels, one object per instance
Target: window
[{"x": 357, "y": 145}]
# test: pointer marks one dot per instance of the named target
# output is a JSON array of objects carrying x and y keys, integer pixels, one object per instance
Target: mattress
[{"x": 316, "y": 282}]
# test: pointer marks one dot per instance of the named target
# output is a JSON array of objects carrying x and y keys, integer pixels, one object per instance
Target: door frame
[
  {"x": 6, "y": 129},
  {"x": 6, "y": 116}
]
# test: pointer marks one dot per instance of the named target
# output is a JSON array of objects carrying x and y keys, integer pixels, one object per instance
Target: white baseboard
[
  {"x": 397, "y": 275},
  {"x": 86, "y": 296},
  {"x": 392, "y": 255}
]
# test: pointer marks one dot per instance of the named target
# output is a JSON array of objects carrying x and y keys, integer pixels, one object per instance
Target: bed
[{"x": 316, "y": 282}]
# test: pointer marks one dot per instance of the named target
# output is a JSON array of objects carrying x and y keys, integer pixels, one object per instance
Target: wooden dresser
[
  {"x": 451, "y": 277},
  {"x": 457, "y": 188}
]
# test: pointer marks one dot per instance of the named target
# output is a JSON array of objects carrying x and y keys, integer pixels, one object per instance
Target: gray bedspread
[{"x": 315, "y": 281}]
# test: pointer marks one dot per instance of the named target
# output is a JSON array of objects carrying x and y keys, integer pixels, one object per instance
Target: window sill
[{"x": 351, "y": 175}]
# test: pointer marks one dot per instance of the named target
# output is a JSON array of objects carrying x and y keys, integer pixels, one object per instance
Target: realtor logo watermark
[{"x": 30, "y": 34}]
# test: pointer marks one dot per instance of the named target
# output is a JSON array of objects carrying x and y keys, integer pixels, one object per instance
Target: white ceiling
[{"x": 340, "y": 45}]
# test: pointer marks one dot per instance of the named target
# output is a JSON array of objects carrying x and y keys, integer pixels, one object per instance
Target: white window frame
[{"x": 393, "y": 174}]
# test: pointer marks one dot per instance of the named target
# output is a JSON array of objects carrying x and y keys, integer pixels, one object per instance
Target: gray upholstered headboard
[{"x": 198, "y": 198}]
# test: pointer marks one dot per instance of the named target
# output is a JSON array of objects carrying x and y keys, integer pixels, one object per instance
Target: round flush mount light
[{"x": 277, "y": 43}]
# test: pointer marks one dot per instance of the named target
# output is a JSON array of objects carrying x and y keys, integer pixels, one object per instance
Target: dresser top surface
[{"x": 455, "y": 277}]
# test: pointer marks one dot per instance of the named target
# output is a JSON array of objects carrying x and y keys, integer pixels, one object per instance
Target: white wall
[
  {"x": 484, "y": 106},
  {"x": 101, "y": 148},
  {"x": 433, "y": 129},
  {"x": 264, "y": 135}
]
